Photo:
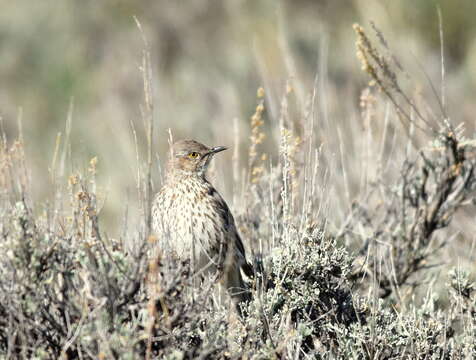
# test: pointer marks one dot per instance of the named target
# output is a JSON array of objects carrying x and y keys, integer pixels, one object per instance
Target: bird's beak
[{"x": 217, "y": 149}]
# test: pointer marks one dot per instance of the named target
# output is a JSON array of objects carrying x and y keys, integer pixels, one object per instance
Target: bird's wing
[{"x": 229, "y": 222}]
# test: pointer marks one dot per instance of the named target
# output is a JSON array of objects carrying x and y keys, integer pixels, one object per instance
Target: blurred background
[{"x": 208, "y": 60}]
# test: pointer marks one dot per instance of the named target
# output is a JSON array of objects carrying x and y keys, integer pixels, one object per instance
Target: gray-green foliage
[
  {"x": 60, "y": 293},
  {"x": 63, "y": 296}
]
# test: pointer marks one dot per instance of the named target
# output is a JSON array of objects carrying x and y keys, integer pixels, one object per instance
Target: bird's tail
[{"x": 238, "y": 282}]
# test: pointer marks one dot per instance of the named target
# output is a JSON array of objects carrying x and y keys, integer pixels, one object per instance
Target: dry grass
[{"x": 353, "y": 228}]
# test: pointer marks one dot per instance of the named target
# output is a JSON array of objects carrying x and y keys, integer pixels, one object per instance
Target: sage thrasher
[{"x": 191, "y": 218}]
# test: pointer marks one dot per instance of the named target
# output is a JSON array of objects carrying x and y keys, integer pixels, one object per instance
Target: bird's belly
[{"x": 196, "y": 237}]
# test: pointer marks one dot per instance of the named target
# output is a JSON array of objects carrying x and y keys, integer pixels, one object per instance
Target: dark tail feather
[{"x": 239, "y": 285}]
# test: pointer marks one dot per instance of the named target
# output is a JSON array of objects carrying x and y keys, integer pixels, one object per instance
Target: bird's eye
[{"x": 193, "y": 155}]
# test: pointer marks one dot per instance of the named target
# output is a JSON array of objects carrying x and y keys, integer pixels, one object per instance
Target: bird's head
[{"x": 191, "y": 157}]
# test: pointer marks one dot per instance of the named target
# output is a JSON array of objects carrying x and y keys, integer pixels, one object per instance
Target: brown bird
[{"x": 191, "y": 218}]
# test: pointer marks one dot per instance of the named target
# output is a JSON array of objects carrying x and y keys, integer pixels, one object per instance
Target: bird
[{"x": 192, "y": 219}]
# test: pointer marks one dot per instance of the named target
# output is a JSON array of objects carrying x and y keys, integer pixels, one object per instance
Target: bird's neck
[{"x": 184, "y": 175}]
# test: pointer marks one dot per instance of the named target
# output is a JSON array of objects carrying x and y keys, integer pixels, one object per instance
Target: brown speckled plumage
[{"x": 192, "y": 219}]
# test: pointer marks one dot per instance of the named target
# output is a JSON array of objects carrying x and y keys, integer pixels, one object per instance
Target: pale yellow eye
[{"x": 193, "y": 155}]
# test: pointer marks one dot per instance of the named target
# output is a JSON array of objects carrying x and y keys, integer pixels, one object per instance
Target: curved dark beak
[{"x": 217, "y": 149}]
